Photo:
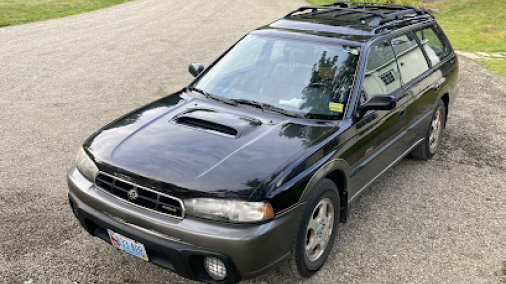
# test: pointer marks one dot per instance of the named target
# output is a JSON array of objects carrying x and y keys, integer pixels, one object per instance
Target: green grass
[
  {"x": 471, "y": 25},
  {"x": 14, "y": 12},
  {"x": 498, "y": 66},
  {"x": 502, "y": 275},
  {"x": 475, "y": 25}
]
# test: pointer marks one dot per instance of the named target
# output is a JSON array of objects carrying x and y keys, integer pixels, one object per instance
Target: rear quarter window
[{"x": 434, "y": 44}]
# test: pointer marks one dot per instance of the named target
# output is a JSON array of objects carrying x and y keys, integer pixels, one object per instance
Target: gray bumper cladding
[{"x": 248, "y": 250}]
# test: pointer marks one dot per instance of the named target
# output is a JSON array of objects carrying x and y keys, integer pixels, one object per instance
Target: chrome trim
[
  {"x": 387, "y": 168},
  {"x": 287, "y": 210},
  {"x": 183, "y": 208}
]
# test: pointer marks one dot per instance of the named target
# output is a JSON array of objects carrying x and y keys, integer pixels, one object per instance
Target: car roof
[{"x": 356, "y": 22}]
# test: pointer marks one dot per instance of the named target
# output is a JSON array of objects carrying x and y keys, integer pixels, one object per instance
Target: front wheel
[
  {"x": 317, "y": 231},
  {"x": 430, "y": 144}
]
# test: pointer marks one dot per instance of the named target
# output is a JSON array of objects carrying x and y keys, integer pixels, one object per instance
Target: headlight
[
  {"x": 85, "y": 165},
  {"x": 229, "y": 210}
]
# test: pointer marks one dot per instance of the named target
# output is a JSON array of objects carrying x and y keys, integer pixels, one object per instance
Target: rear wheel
[
  {"x": 430, "y": 144},
  {"x": 317, "y": 231}
]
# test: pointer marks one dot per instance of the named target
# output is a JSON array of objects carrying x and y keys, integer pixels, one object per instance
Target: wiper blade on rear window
[
  {"x": 209, "y": 96},
  {"x": 270, "y": 107}
]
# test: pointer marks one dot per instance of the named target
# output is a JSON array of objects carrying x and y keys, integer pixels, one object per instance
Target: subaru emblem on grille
[{"x": 133, "y": 194}]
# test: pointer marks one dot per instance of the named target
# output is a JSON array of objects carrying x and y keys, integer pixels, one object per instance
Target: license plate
[{"x": 128, "y": 245}]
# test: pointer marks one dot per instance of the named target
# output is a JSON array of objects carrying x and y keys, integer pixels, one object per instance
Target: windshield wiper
[
  {"x": 270, "y": 107},
  {"x": 209, "y": 96}
]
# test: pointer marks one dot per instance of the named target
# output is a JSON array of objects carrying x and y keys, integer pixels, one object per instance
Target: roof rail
[
  {"x": 367, "y": 8},
  {"x": 397, "y": 23},
  {"x": 346, "y": 4}
]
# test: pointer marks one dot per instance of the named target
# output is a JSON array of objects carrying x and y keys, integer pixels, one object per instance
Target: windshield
[{"x": 310, "y": 78}]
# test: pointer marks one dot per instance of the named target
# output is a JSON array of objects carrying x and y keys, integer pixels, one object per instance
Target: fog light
[{"x": 215, "y": 268}]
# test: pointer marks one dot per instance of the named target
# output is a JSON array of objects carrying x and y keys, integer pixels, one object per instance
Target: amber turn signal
[{"x": 268, "y": 211}]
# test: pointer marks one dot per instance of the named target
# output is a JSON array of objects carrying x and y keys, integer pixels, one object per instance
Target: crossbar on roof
[{"x": 368, "y": 8}]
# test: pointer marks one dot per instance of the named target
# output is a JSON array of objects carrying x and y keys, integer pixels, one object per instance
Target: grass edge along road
[
  {"x": 487, "y": 32},
  {"x": 15, "y": 12}
]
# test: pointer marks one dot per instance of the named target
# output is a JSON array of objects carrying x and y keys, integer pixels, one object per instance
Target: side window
[
  {"x": 435, "y": 48},
  {"x": 381, "y": 75},
  {"x": 410, "y": 57}
]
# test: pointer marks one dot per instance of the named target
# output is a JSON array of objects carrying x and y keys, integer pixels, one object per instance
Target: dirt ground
[{"x": 441, "y": 221}]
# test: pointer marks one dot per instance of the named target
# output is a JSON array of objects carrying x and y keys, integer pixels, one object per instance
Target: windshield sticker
[
  {"x": 336, "y": 107},
  {"x": 352, "y": 51}
]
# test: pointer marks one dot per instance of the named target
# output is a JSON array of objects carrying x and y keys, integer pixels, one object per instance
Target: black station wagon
[{"x": 253, "y": 165}]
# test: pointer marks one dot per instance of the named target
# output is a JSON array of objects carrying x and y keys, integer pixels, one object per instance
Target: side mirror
[
  {"x": 379, "y": 102},
  {"x": 195, "y": 69}
]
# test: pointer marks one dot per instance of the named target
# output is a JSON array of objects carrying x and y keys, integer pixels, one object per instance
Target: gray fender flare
[{"x": 343, "y": 185}]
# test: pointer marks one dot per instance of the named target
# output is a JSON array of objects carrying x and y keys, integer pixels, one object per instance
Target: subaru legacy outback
[{"x": 253, "y": 165}]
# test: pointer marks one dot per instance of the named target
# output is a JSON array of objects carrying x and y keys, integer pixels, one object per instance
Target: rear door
[{"x": 427, "y": 89}]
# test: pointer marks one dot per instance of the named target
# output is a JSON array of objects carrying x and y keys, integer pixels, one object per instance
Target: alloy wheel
[
  {"x": 435, "y": 131},
  {"x": 319, "y": 229}
]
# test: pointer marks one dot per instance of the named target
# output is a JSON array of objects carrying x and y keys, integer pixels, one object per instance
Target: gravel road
[{"x": 441, "y": 221}]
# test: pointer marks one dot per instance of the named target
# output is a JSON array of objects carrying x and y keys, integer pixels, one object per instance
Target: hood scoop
[
  {"x": 221, "y": 123},
  {"x": 206, "y": 125}
]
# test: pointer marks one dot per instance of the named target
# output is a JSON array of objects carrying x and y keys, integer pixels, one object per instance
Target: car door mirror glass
[{"x": 195, "y": 69}]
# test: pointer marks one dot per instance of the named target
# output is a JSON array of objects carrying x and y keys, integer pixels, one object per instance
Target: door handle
[
  {"x": 402, "y": 112},
  {"x": 436, "y": 87}
]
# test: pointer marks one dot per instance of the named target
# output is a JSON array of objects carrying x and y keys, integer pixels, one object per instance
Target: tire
[
  {"x": 316, "y": 233},
  {"x": 432, "y": 139}
]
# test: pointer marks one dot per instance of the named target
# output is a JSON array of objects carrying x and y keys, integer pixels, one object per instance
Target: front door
[{"x": 380, "y": 134}]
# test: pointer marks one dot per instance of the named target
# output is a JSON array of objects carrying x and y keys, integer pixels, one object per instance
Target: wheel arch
[{"x": 338, "y": 171}]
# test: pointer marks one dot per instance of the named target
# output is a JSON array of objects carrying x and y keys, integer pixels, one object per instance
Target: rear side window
[
  {"x": 435, "y": 48},
  {"x": 410, "y": 57},
  {"x": 382, "y": 75}
]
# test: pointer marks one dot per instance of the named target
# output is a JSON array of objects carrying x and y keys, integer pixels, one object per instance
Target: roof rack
[
  {"x": 370, "y": 9},
  {"x": 403, "y": 22}
]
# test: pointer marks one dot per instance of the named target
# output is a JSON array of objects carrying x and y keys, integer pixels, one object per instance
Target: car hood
[{"x": 201, "y": 147}]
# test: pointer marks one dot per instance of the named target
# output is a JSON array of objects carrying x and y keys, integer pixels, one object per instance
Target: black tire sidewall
[{"x": 325, "y": 190}]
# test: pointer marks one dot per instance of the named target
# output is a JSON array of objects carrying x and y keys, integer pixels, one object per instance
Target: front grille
[{"x": 141, "y": 196}]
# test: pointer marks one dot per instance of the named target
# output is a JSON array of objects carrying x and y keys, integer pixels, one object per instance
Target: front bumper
[{"x": 247, "y": 250}]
